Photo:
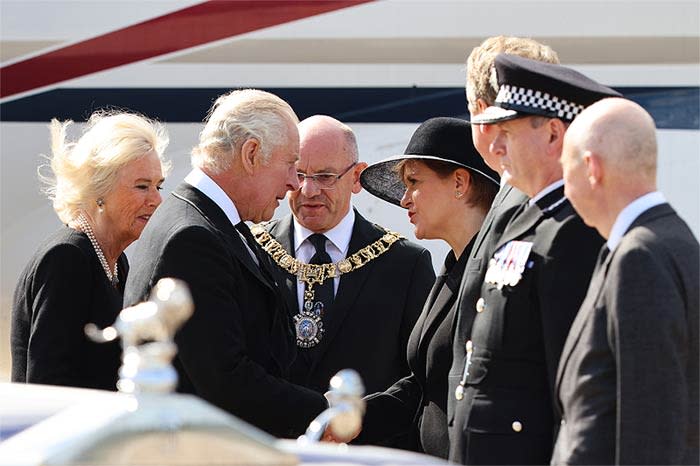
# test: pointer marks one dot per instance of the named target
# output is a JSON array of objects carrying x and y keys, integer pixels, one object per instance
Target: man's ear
[
  {"x": 250, "y": 155},
  {"x": 356, "y": 171},
  {"x": 594, "y": 168},
  {"x": 557, "y": 129},
  {"x": 481, "y": 105}
]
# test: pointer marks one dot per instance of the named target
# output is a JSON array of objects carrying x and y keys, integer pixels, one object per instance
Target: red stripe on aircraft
[{"x": 189, "y": 27}]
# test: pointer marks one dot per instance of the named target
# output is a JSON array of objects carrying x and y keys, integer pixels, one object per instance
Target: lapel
[
  {"x": 531, "y": 216},
  {"x": 441, "y": 301},
  {"x": 283, "y": 231},
  {"x": 217, "y": 219},
  {"x": 596, "y": 287},
  {"x": 488, "y": 221},
  {"x": 350, "y": 287}
]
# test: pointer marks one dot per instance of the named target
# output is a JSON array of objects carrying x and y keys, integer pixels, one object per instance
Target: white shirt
[
  {"x": 545, "y": 191},
  {"x": 630, "y": 213},
  {"x": 336, "y": 246},
  {"x": 200, "y": 180}
]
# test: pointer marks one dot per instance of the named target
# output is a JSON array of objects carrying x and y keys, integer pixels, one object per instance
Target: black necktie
[
  {"x": 253, "y": 245},
  {"x": 322, "y": 292},
  {"x": 602, "y": 255}
]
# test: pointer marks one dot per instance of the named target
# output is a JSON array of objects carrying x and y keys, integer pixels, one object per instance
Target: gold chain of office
[{"x": 317, "y": 273}]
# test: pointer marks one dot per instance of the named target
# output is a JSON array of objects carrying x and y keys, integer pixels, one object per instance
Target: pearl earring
[
  {"x": 458, "y": 194},
  {"x": 100, "y": 205}
]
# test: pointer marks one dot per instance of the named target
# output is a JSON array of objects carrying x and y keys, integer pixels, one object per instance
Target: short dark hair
[{"x": 482, "y": 191}]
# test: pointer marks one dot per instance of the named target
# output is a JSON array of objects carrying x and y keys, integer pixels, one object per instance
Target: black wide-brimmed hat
[
  {"x": 531, "y": 87},
  {"x": 443, "y": 138}
]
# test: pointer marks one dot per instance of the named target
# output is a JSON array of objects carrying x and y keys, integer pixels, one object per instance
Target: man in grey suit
[{"x": 627, "y": 382}]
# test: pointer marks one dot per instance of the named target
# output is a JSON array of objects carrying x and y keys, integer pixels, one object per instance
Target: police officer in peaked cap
[{"x": 536, "y": 277}]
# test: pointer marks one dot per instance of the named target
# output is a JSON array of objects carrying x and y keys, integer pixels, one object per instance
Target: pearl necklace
[{"x": 87, "y": 229}]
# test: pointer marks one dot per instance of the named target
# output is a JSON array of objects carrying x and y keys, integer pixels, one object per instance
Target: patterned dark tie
[{"x": 322, "y": 292}]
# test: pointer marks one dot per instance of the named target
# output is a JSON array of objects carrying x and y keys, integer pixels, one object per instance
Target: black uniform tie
[{"x": 322, "y": 292}]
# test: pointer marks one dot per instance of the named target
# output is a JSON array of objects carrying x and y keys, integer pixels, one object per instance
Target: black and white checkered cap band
[{"x": 520, "y": 98}]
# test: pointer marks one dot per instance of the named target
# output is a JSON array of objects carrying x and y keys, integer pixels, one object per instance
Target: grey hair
[
  {"x": 237, "y": 117},
  {"x": 84, "y": 171}
]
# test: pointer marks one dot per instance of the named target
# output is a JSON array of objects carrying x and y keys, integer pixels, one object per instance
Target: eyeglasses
[{"x": 323, "y": 180}]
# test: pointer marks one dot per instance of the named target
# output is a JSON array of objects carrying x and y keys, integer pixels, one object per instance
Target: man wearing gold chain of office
[{"x": 354, "y": 289}]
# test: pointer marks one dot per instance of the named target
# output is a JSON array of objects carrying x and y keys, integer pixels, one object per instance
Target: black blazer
[
  {"x": 504, "y": 206},
  {"x": 63, "y": 288},
  {"x": 375, "y": 308},
  {"x": 628, "y": 374},
  {"x": 507, "y": 415},
  {"x": 236, "y": 349},
  {"x": 420, "y": 399}
]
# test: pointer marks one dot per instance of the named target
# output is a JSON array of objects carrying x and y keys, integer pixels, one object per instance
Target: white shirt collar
[
  {"x": 630, "y": 213},
  {"x": 339, "y": 235},
  {"x": 545, "y": 191},
  {"x": 200, "y": 180}
]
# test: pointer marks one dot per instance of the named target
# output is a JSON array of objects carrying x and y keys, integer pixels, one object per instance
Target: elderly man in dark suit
[
  {"x": 536, "y": 277},
  {"x": 237, "y": 349},
  {"x": 361, "y": 316},
  {"x": 628, "y": 374}
]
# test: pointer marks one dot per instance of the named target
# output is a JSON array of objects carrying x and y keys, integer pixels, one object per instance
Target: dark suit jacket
[
  {"x": 236, "y": 349},
  {"x": 420, "y": 399},
  {"x": 508, "y": 415},
  {"x": 504, "y": 206},
  {"x": 373, "y": 313},
  {"x": 628, "y": 376},
  {"x": 62, "y": 289}
]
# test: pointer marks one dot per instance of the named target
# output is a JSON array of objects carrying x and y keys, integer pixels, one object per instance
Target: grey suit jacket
[{"x": 628, "y": 376}]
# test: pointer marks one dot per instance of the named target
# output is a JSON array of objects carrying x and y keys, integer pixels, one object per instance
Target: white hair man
[{"x": 236, "y": 350}]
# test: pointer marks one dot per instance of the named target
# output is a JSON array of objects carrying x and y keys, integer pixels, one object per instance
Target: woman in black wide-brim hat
[{"x": 447, "y": 189}]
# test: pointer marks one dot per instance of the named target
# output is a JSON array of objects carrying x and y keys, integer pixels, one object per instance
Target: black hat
[
  {"x": 443, "y": 138},
  {"x": 531, "y": 87}
]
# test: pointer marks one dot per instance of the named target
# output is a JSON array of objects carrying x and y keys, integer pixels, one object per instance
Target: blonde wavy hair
[
  {"x": 84, "y": 171},
  {"x": 236, "y": 117}
]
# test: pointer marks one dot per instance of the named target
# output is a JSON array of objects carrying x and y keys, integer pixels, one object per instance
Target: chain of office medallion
[{"x": 317, "y": 273}]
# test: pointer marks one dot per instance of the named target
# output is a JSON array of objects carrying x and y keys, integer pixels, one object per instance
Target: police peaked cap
[{"x": 531, "y": 87}]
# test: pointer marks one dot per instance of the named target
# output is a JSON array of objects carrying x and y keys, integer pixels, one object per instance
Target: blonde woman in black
[{"x": 104, "y": 188}]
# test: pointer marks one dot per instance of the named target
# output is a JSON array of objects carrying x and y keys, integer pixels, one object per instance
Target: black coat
[
  {"x": 420, "y": 399},
  {"x": 507, "y": 415},
  {"x": 504, "y": 206},
  {"x": 63, "y": 288},
  {"x": 236, "y": 349},
  {"x": 628, "y": 374},
  {"x": 375, "y": 308}
]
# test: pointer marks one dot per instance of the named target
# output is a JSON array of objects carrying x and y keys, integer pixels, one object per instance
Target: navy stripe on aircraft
[{"x": 671, "y": 107}]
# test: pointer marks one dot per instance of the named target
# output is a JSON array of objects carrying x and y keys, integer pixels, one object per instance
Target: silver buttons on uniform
[
  {"x": 517, "y": 426},
  {"x": 480, "y": 305},
  {"x": 459, "y": 391}
]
